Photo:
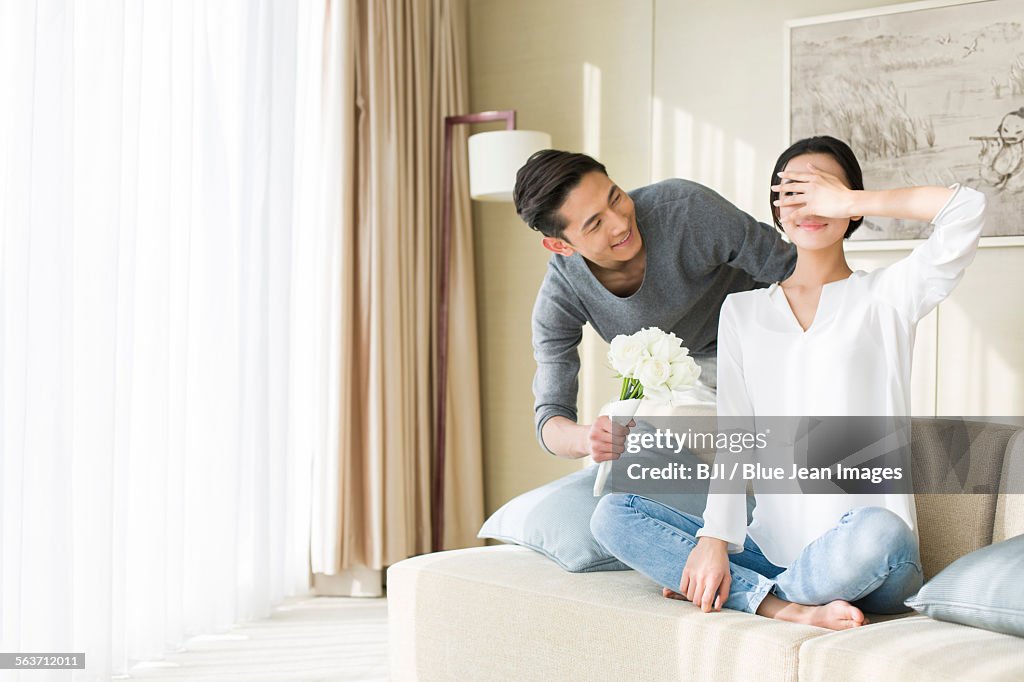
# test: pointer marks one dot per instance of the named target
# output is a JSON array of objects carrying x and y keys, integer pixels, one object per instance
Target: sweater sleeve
[
  {"x": 557, "y": 331},
  {"x": 725, "y": 515},
  {"x": 919, "y": 282},
  {"x": 734, "y": 238}
]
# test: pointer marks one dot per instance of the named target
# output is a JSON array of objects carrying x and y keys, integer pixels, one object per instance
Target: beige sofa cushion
[
  {"x": 508, "y": 613},
  {"x": 950, "y": 456},
  {"x": 912, "y": 649},
  {"x": 952, "y": 525}
]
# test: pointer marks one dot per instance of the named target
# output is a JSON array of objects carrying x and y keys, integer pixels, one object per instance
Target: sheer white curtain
[{"x": 165, "y": 321}]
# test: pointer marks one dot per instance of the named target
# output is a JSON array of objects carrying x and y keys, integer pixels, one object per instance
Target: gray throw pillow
[
  {"x": 554, "y": 520},
  {"x": 981, "y": 589}
]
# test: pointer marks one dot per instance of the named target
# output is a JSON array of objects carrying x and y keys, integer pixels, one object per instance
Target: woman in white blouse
[{"x": 826, "y": 341}]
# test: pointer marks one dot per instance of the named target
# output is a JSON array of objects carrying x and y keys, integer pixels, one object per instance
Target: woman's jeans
[{"x": 870, "y": 558}]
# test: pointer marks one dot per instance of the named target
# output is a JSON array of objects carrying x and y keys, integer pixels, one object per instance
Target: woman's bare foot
[
  {"x": 669, "y": 594},
  {"x": 836, "y": 615}
]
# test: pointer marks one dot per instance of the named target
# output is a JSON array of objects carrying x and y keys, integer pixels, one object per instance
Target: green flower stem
[{"x": 631, "y": 388}]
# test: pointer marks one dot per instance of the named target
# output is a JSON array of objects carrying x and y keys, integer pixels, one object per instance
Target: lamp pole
[{"x": 441, "y": 401}]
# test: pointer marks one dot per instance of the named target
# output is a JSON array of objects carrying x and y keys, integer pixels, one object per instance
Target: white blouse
[{"x": 854, "y": 359}]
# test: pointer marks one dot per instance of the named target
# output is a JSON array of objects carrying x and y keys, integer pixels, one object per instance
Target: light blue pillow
[
  {"x": 554, "y": 520},
  {"x": 982, "y": 589}
]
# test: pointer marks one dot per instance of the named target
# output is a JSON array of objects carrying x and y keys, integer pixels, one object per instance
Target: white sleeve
[
  {"x": 725, "y": 515},
  {"x": 919, "y": 282}
]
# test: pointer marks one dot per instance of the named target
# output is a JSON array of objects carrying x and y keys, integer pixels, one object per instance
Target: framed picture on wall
[{"x": 926, "y": 93}]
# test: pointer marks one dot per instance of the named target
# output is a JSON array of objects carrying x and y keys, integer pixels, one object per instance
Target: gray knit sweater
[{"x": 700, "y": 248}]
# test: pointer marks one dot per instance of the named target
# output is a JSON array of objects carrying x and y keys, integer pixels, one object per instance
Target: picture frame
[{"x": 942, "y": 101}]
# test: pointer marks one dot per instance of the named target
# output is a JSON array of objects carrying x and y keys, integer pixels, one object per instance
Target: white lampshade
[{"x": 496, "y": 156}]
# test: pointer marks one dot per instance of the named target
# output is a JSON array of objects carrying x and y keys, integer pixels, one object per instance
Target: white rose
[
  {"x": 668, "y": 348},
  {"x": 626, "y": 352},
  {"x": 684, "y": 373},
  {"x": 649, "y": 336},
  {"x": 653, "y": 373}
]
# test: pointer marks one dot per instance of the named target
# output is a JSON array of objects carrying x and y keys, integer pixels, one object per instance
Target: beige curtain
[{"x": 399, "y": 66}]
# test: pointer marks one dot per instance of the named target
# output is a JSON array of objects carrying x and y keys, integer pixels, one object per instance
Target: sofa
[{"x": 506, "y": 612}]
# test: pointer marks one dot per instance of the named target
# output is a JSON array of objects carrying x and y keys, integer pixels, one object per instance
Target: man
[{"x": 665, "y": 255}]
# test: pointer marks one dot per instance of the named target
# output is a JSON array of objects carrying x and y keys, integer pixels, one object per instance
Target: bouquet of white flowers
[{"x": 654, "y": 365}]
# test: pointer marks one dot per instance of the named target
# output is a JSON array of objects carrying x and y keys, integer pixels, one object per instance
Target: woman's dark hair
[
  {"x": 543, "y": 183},
  {"x": 822, "y": 144}
]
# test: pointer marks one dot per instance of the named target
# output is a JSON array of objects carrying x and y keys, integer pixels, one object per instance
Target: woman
[{"x": 826, "y": 341}]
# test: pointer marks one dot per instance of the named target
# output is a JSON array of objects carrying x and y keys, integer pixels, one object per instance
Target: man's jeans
[{"x": 870, "y": 559}]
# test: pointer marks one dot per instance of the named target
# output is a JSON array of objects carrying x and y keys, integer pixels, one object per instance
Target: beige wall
[
  {"x": 545, "y": 59},
  {"x": 690, "y": 89}
]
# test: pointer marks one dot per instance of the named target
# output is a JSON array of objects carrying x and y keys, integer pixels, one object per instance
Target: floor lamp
[{"x": 494, "y": 158}]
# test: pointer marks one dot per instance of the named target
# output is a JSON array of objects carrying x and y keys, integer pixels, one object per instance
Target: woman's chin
[{"x": 816, "y": 241}]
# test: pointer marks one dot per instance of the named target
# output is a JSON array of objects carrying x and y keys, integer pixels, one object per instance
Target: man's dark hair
[
  {"x": 543, "y": 183},
  {"x": 822, "y": 144}
]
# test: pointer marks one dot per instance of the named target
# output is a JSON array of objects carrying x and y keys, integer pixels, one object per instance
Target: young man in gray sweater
[{"x": 665, "y": 255}]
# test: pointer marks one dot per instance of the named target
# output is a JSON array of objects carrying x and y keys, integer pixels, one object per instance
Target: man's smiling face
[{"x": 600, "y": 222}]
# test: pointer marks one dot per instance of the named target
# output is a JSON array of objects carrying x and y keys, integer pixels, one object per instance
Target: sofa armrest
[{"x": 1009, "y": 521}]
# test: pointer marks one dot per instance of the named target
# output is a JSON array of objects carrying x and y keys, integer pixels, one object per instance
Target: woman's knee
[
  {"x": 608, "y": 515},
  {"x": 884, "y": 531}
]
